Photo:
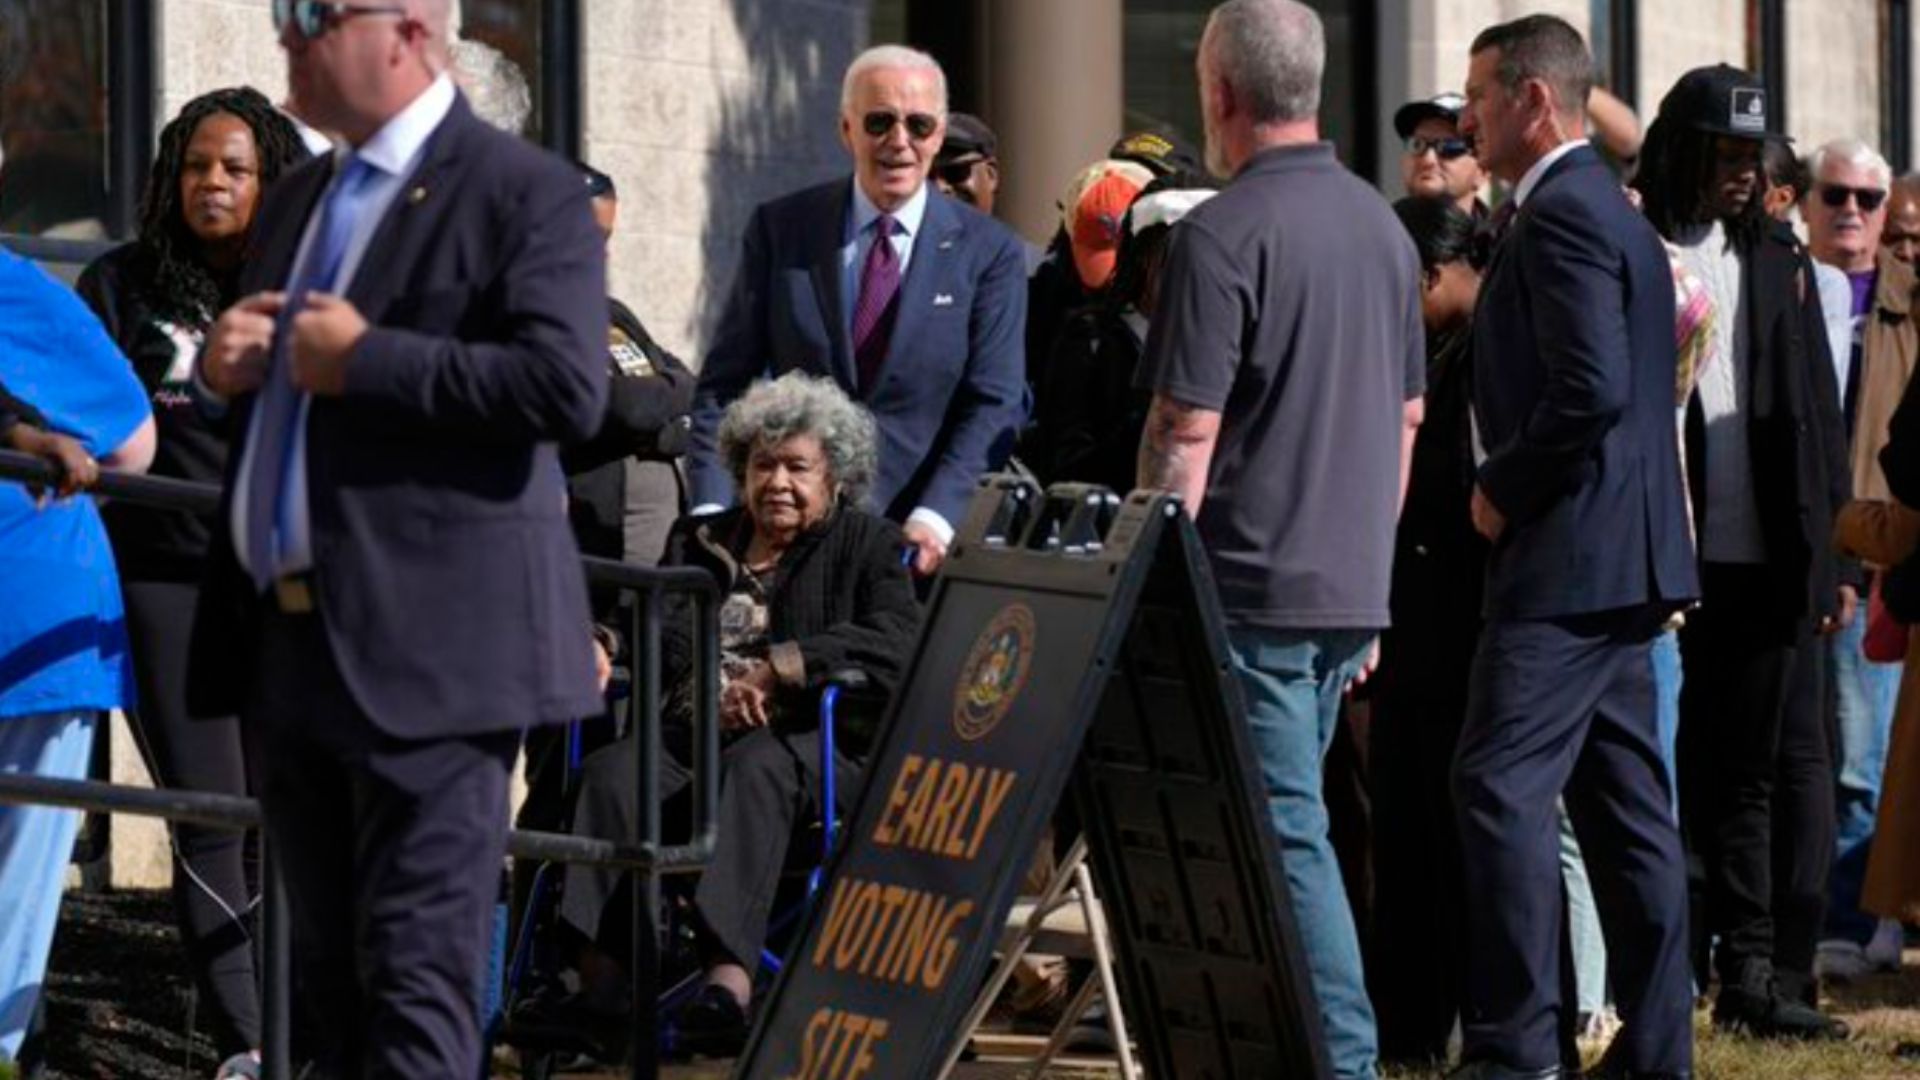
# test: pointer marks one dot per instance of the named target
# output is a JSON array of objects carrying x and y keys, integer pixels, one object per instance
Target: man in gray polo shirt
[{"x": 1287, "y": 363}]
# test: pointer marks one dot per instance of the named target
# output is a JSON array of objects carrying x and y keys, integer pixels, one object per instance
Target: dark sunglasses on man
[
  {"x": 314, "y": 18},
  {"x": 1836, "y": 196},
  {"x": 1449, "y": 148},
  {"x": 880, "y": 123},
  {"x": 956, "y": 173}
]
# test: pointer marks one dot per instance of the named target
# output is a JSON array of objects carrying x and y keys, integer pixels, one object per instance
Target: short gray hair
[
  {"x": 1273, "y": 53},
  {"x": 1855, "y": 153},
  {"x": 892, "y": 56},
  {"x": 771, "y": 412}
]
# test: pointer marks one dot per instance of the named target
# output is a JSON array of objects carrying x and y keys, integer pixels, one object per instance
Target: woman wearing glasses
[{"x": 156, "y": 296}]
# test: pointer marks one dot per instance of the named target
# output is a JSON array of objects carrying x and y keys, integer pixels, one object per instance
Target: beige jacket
[{"x": 1890, "y": 349}]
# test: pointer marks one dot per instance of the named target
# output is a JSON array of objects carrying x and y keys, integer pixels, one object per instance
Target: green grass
[{"x": 1884, "y": 1012}]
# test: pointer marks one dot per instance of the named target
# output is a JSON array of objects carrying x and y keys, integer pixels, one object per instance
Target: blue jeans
[
  {"x": 1583, "y": 923},
  {"x": 1667, "y": 680},
  {"x": 1293, "y": 681},
  {"x": 1865, "y": 693},
  {"x": 35, "y": 844}
]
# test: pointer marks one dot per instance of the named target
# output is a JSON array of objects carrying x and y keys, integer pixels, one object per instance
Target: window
[
  {"x": 1615, "y": 39},
  {"x": 1767, "y": 53},
  {"x": 53, "y": 118},
  {"x": 499, "y": 57},
  {"x": 1162, "y": 38},
  {"x": 1896, "y": 83}
]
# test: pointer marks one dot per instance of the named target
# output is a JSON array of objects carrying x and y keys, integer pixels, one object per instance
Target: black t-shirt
[
  {"x": 1290, "y": 303},
  {"x": 152, "y": 544}
]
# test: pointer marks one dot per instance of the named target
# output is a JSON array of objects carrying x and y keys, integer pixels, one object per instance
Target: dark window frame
[
  {"x": 1767, "y": 53},
  {"x": 562, "y": 74},
  {"x": 1896, "y": 83}
]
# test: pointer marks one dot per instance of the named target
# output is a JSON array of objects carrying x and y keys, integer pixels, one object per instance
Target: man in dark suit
[
  {"x": 1580, "y": 493},
  {"x": 396, "y": 595},
  {"x": 924, "y": 330}
]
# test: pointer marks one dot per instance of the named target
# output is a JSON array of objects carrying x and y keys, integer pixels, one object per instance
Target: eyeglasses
[
  {"x": 1448, "y": 148},
  {"x": 314, "y": 18},
  {"x": 1836, "y": 196},
  {"x": 880, "y": 123}
]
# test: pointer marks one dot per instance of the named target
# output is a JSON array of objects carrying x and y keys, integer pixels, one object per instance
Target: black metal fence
[{"x": 649, "y": 859}]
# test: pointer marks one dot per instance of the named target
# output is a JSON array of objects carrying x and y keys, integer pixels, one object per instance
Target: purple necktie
[{"x": 873, "y": 313}]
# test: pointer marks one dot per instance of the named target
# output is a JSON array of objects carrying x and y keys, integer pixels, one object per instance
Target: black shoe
[
  {"x": 1608, "y": 1070},
  {"x": 713, "y": 1024},
  {"x": 568, "y": 1023},
  {"x": 1771, "y": 1015}
]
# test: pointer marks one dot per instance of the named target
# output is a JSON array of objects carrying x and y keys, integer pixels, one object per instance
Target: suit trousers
[
  {"x": 1740, "y": 658},
  {"x": 1565, "y": 708},
  {"x": 391, "y": 852}
]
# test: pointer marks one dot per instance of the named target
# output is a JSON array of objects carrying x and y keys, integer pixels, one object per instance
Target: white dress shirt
[
  {"x": 1532, "y": 177},
  {"x": 394, "y": 152}
]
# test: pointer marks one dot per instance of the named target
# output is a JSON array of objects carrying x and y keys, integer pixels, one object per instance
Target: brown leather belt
[{"x": 293, "y": 594}]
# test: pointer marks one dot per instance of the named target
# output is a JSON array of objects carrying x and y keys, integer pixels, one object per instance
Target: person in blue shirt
[{"x": 63, "y": 644}]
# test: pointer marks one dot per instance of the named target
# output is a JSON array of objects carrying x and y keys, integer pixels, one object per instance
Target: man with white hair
[
  {"x": 396, "y": 595},
  {"x": 1846, "y": 211},
  {"x": 909, "y": 299},
  {"x": 1287, "y": 363}
]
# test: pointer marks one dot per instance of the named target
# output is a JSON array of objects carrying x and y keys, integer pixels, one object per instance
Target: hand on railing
[{"x": 76, "y": 468}]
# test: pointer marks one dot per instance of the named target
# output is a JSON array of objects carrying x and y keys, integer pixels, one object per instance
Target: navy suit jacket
[
  {"x": 1574, "y": 392},
  {"x": 446, "y": 576},
  {"x": 952, "y": 391}
]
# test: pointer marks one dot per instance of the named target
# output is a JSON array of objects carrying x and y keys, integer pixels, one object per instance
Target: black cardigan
[{"x": 841, "y": 598}]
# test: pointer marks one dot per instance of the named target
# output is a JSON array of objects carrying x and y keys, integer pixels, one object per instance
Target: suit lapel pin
[
  {"x": 942, "y": 299},
  {"x": 418, "y": 195},
  {"x": 946, "y": 245}
]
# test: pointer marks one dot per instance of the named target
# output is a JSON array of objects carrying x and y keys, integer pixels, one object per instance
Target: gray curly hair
[{"x": 771, "y": 412}]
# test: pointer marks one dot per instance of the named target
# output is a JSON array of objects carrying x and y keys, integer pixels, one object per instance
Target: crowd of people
[{"x": 1570, "y": 489}]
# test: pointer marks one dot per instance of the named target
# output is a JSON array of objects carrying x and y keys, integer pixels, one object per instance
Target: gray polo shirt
[{"x": 1290, "y": 303}]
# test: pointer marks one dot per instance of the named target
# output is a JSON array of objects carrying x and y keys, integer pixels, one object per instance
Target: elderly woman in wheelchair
[{"x": 813, "y": 586}]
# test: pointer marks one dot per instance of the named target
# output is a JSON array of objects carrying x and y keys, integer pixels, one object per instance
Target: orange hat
[{"x": 1093, "y": 212}]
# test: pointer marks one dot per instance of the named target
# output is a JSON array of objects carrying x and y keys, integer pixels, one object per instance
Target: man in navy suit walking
[
  {"x": 1580, "y": 494},
  {"x": 396, "y": 595},
  {"x": 914, "y": 302}
]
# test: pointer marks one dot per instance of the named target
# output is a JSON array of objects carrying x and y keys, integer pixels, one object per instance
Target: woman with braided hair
[{"x": 157, "y": 296}]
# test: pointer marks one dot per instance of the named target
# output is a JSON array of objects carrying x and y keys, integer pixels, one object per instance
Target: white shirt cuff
[
  {"x": 704, "y": 509},
  {"x": 932, "y": 520}
]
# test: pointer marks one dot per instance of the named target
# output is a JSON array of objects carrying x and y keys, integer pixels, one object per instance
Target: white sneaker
[
  {"x": 1840, "y": 960},
  {"x": 1883, "y": 952}
]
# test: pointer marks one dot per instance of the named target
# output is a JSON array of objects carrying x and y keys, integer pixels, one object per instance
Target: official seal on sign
[{"x": 995, "y": 670}]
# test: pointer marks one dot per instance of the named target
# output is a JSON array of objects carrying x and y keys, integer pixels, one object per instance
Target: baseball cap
[
  {"x": 1162, "y": 151},
  {"x": 1446, "y": 107},
  {"x": 1720, "y": 100},
  {"x": 1094, "y": 211},
  {"x": 967, "y": 136}
]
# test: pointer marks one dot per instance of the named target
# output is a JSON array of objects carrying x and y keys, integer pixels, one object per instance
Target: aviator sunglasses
[
  {"x": 1836, "y": 196},
  {"x": 314, "y": 18},
  {"x": 880, "y": 122}
]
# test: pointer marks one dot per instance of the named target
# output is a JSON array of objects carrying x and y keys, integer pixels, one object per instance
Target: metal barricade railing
[{"x": 649, "y": 858}]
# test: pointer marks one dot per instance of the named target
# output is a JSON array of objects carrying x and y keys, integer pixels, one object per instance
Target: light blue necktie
[{"x": 271, "y": 472}]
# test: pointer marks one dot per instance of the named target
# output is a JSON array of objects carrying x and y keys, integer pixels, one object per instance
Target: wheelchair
[{"x": 541, "y": 1054}]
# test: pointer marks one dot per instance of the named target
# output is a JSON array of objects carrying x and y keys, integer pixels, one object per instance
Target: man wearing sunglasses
[
  {"x": 1846, "y": 211},
  {"x": 1437, "y": 161},
  {"x": 911, "y": 300},
  {"x": 396, "y": 595}
]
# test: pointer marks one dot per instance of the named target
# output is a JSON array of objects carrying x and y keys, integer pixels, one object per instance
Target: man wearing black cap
[
  {"x": 1766, "y": 461},
  {"x": 1437, "y": 161},
  {"x": 967, "y": 166}
]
